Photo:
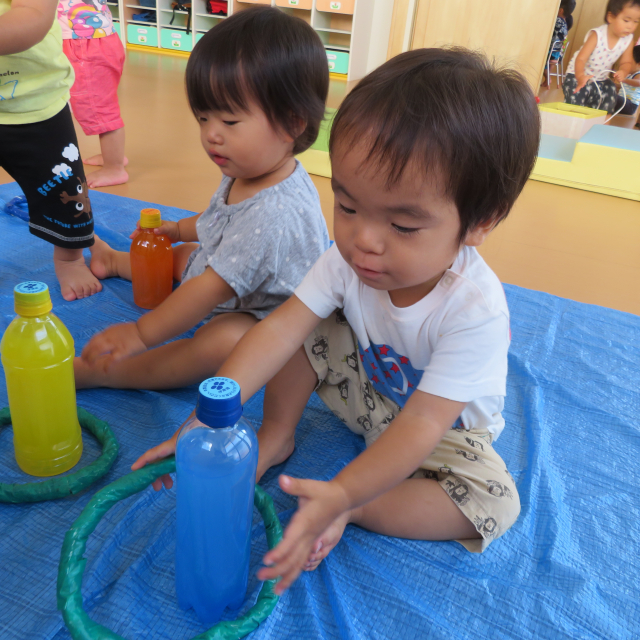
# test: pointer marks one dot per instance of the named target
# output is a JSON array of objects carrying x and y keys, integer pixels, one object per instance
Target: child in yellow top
[{"x": 38, "y": 144}]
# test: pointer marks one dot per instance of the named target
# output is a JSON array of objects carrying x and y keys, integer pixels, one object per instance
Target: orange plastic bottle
[{"x": 151, "y": 262}]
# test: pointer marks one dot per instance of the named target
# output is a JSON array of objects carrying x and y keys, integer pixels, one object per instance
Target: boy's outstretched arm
[
  {"x": 181, "y": 311},
  {"x": 393, "y": 457},
  {"x": 259, "y": 355},
  {"x": 25, "y": 24}
]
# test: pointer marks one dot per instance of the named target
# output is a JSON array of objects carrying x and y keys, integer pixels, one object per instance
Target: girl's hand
[
  {"x": 167, "y": 448},
  {"x": 167, "y": 228},
  {"x": 619, "y": 77},
  {"x": 582, "y": 81},
  {"x": 320, "y": 504},
  {"x": 117, "y": 342}
]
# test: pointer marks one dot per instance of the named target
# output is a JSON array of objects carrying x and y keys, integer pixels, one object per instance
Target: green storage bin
[
  {"x": 116, "y": 27},
  {"x": 174, "y": 39},
  {"x": 143, "y": 35},
  {"x": 338, "y": 61}
]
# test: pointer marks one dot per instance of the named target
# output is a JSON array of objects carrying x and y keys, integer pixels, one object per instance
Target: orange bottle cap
[{"x": 150, "y": 219}]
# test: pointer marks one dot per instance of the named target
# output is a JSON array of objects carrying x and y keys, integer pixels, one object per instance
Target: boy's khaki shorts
[{"x": 464, "y": 463}]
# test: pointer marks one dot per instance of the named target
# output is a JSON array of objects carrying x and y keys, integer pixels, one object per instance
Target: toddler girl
[
  {"x": 257, "y": 83},
  {"x": 97, "y": 55},
  {"x": 401, "y": 327},
  {"x": 38, "y": 144},
  {"x": 587, "y": 82}
]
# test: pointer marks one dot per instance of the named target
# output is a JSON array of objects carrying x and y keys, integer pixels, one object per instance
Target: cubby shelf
[{"x": 355, "y": 33}]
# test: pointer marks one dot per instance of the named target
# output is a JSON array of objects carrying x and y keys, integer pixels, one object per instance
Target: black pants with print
[
  {"x": 596, "y": 95},
  {"x": 43, "y": 158}
]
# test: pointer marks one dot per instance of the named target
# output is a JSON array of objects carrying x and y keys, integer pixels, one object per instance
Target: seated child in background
[
  {"x": 401, "y": 327},
  {"x": 631, "y": 88},
  {"x": 587, "y": 82},
  {"x": 97, "y": 55},
  {"x": 562, "y": 27},
  {"x": 38, "y": 144},
  {"x": 257, "y": 84}
]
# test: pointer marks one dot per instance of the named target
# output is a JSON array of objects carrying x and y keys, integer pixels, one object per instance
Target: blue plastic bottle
[{"x": 216, "y": 462}]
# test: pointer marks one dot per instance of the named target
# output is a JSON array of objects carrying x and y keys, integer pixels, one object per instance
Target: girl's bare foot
[
  {"x": 97, "y": 161},
  {"x": 103, "y": 260},
  {"x": 75, "y": 278},
  {"x": 107, "y": 177}
]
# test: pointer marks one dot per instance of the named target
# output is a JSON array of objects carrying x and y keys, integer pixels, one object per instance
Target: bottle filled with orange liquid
[
  {"x": 37, "y": 356},
  {"x": 151, "y": 262}
]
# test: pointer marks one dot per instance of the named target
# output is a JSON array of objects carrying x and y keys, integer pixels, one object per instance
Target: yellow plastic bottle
[{"x": 37, "y": 356}]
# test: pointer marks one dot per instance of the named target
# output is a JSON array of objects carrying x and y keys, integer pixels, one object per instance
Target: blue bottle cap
[{"x": 219, "y": 402}]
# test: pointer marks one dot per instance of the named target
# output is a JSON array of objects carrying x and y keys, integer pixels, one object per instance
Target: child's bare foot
[
  {"x": 107, "y": 177},
  {"x": 97, "y": 161},
  {"x": 103, "y": 260},
  {"x": 273, "y": 449},
  {"x": 328, "y": 540},
  {"x": 75, "y": 278}
]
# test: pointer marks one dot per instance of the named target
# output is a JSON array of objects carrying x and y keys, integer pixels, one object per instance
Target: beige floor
[{"x": 563, "y": 241}]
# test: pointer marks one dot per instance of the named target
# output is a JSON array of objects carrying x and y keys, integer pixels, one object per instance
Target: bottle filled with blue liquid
[{"x": 216, "y": 462}]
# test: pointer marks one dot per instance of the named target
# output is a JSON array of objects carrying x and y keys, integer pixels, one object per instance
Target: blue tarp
[{"x": 569, "y": 568}]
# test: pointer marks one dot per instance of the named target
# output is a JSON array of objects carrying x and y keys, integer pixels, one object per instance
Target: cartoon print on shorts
[
  {"x": 474, "y": 443},
  {"x": 367, "y": 395},
  {"x": 473, "y": 457},
  {"x": 341, "y": 318},
  {"x": 320, "y": 348},
  {"x": 458, "y": 491},
  {"x": 352, "y": 360},
  {"x": 83, "y": 204},
  {"x": 343, "y": 388},
  {"x": 337, "y": 415},
  {"x": 486, "y": 527},
  {"x": 387, "y": 420},
  {"x": 427, "y": 474},
  {"x": 498, "y": 489},
  {"x": 446, "y": 469},
  {"x": 365, "y": 423}
]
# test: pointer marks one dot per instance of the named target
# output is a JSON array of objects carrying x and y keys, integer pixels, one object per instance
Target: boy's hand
[
  {"x": 319, "y": 505},
  {"x": 118, "y": 342},
  {"x": 167, "y": 448},
  {"x": 582, "y": 81},
  {"x": 167, "y": 228}
]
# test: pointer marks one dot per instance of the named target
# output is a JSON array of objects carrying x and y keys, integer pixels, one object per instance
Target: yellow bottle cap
[
  {"x": 31, "y": 299},
  {"x": 150, "y": 218}
]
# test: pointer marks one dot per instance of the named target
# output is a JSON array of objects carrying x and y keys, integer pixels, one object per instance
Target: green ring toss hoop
[
  {"x": 73, "y": 483},
  {"x": 72, "y": 563}
]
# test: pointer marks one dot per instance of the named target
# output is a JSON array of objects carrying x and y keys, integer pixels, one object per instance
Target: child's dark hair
[
  {"x": 635, "y": 52},
  {"x": 568, "y": 7},
  {"x": 262, "y": 54},
  {"x": 614, "y": 7},
  {"x": 451, "y": 111}
]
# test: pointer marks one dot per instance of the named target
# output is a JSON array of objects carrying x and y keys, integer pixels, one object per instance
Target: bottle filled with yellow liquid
[{"x": 37, "y": 356}]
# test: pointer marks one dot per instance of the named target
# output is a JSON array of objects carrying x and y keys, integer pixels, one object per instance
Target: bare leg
[
  {"x": 76, "y": 280},
  {"x": 417, "y": 509},
  {"x": 172, "y": 365},
  {"x": 109, "y": 263},
  {"x": 97, "y": 161},
  {"x": 285, "y": 398},
  {"x": 113, "y": 171}
]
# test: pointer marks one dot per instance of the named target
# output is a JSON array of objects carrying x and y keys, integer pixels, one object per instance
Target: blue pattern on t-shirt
[{"x": 391, "y": 374}]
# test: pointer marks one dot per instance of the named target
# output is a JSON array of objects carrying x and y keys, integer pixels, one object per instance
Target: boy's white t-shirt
[{"x": 453, "y": 343}]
